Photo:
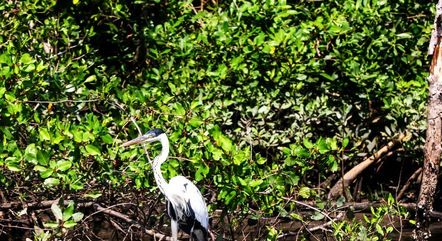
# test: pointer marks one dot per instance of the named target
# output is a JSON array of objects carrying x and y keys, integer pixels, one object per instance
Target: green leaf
[
  {"x": 195, "y": 121},
  {"x": 179, "y": 110},
  {"x": 317, "y": 216},
  {"x": 93, "y": 150},
  {"x": 239, "y": 157},
  {"x": 332, "y": 163},
  {"x": 254, "y": 183},
  {"x": 13, "y": 164},
  {"x": 26, "y": 59},
  {"x": 404, "y": 35},
  {"x": 76, "y": 185},
  {"x": 217, "y": 154},
  {"x": 68, "y": 211},
  {"x": 201, "y": 172},
  {"x": 52, "y": 225},
  {"x": 41, "y": 66},
  {"x": 91, "y": 78},
  {"x": 195, "y": 104},
  {"x": 107, "y": 139},
  {"x": 304, "y": 192},
  {"x": 2, "y": 91},
  {"x": 69, "y": 224},
  {"x": 307, "y": 143},
  {"x": 39, "y": 168},
  {"x": 322, "y": 146},
  {"x": 51, "y": 182},
  {"x": 379, "y": 229},
  {"x": 30, "y": 68},
  {"x": 225, "y": 143},
  {"x": 63, "y": 165},
  {"x": 78, "y": 216},
  {"x": 329, "y": 77},
  {"x": 230, "y": 196},
  {"x": 332, "y": 143},
  {"x": 44, "y": 134},
  {"x": 345, "y": 142},
  {"x": 296, "y": 216},
  {"x": 43, "y": 158},
  {"x": 92, "y": 195},
  {"x": 261, "y": 160},
  {"x": 31, "y": 153},
  {"x": 46, "y": 173},
  {"x": 340, "y": 202},
  {"x": 301, "y": 152}
]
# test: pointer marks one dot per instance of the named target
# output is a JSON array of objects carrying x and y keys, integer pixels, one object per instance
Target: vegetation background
[{"x": 266, "y": 104}]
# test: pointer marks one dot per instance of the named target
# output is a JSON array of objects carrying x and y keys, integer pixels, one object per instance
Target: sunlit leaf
[
  {"x": 78, "y": 216},
  {"x": 68, "y": 211},
  {"x": 304, "y": 192},
  {"x": 317, "y": 216},
  {"x": 56, "y": 210},
  {"x": 52, "y": 182},
  {"x": 44, "y": 134},
  {"x": 26, "y": 59},
  {"x": 31, "y": 153},
  {"x": 93, "y": 150},
  {"x": 64, "y": 165}
]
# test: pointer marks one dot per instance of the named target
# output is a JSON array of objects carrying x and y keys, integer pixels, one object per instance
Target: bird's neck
[{"x": 156, "y": 164}]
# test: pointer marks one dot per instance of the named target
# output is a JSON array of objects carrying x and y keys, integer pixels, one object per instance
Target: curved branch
[{"x": 351, "y": 175}]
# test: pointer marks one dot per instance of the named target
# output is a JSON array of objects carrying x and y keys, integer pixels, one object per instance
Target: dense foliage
[{"x": 262, "y": 100}]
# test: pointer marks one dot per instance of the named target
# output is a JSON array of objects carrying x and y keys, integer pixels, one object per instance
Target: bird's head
[{"x": 150, "y": 136}]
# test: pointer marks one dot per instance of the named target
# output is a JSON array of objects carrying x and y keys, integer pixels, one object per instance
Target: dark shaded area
[{"x": 122, "y": 38}]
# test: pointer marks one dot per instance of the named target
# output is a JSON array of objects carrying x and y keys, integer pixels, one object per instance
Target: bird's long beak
[{"x": 138, "y": 140}]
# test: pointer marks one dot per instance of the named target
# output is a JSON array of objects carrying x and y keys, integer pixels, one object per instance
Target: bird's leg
[{"x": 174, "y": 227}]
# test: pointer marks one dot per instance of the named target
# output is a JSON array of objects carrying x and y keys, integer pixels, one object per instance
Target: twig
[
  {"x": 315, "y": 228},
  {"x": 180, "y": 158},
  {"x": 117, "y": 226},
  {"x": 141, "y": 133},
  {"x": 20, "y": 227},
  {"x": 131, "y": 221},
  {"x": 136, "y": 125},
  {"x": 311, "y": 207},
  {"x": 410, "y": 180},
  {"x": 108, "y": 208}
]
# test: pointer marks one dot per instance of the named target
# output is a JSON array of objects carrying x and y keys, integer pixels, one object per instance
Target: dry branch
[
  {"x": 131, "y": 221},
  {"x": 351, "y": 175},
  {"x": 96, "y": 206},
  {"x": 410, "y": 180}
]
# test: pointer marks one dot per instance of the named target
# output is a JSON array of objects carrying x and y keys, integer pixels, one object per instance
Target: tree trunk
[{"x": 432, "y": 149}]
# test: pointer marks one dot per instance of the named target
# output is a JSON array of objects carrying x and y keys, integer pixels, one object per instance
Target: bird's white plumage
[
  {"x": 181, "y": 192},
  {"x": 186, "y": 205}
]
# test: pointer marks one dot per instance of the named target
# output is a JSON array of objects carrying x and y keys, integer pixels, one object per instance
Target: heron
[{"x": 185, "y": 204}]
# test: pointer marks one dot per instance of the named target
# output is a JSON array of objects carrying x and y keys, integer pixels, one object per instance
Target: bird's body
[
  {"x": 191, "y": 217},
  {"x": 185, "y": 204}
]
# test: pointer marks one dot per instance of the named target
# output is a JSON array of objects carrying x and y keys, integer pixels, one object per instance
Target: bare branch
[{"x": 351, "y": 175}]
